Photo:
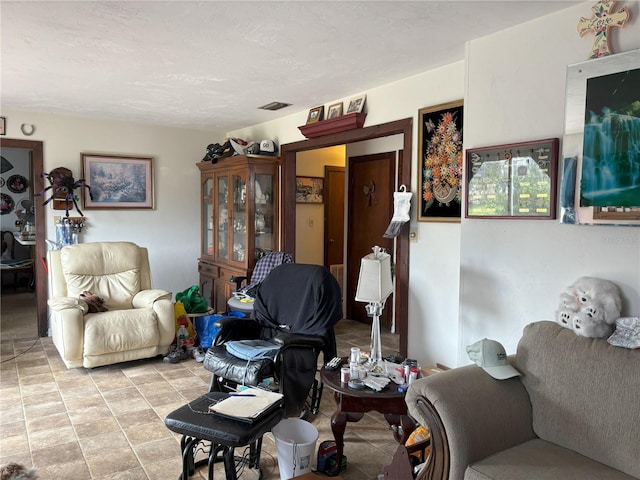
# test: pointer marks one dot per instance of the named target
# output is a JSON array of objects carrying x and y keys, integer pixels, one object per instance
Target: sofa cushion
[
  {"x": 109, "y": 269},
  {"x": 540, "y": 460},
  {"x": 584, "y": 394}
]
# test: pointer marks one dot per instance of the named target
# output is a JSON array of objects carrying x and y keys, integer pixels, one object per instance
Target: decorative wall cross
[{"x": 600, "y": 24}]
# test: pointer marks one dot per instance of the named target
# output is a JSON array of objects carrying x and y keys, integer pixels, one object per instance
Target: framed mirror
[{"x": 602, "y": 125}]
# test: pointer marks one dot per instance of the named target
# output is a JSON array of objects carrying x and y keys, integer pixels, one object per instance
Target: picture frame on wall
[
  {"x": 356, "y": 104},
  {"x": 334, "y": 111},
  {"x": 601, "y": 124},
  {"x": 309, "y": 189},
  {"x": 315, "y": 114},
  {"x": 440, "y": 162},
  {"x": 513, "y": 181},
  {"x": 118, "y": 181}
]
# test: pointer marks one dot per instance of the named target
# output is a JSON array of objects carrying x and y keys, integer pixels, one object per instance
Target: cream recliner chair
[{"x": 139, "y": 322}]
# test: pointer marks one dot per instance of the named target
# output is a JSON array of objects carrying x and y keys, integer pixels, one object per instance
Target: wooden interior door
[
  {"x": 371, "y": 187},
  {"x": 333, "y": 215}
]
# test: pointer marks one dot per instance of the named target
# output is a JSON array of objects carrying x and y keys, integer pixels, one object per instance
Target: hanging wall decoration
[
  {"x": 440, "y": 162},
  {"x": 63, "y": 188},
  {"x": 516, "y": 181},
  {"x": 118, "y": 181},
  {"x": 603, "y": 19},
  {"x": 602, "y": 125}
]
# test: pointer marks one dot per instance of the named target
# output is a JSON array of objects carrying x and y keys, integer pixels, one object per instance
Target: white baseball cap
[
  {"x": 268, "y": 147},
  {"x": 492, "y": 358}
]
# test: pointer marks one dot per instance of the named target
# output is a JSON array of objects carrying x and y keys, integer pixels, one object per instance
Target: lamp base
[
  {"x": 375, "y": 368},
  {"x": 375, "y": 364}
]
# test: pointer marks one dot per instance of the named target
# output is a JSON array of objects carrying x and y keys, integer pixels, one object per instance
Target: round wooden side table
[{"x": 352, "y": 404}]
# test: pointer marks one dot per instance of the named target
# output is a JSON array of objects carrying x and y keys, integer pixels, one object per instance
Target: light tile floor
[{"x": 108, "y": 422}]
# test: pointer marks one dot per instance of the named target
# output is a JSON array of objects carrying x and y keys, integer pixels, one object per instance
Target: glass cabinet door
[
  {"x": 265, "y": 222},
  {"x": 207, "y": 216},
  {"x": 239, "y": 213},
  {"x": 222, "y": 219}
]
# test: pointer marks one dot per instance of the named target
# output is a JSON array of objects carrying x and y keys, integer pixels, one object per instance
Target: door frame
[
  {"x": 36, "y": 157},
  {"x": 288, "y": 154}
]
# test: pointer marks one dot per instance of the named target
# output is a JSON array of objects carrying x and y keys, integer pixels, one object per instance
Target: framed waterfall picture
[
  {"x": 603, "y": 114},
  {"x": 612, "y": 115},
  {"x": 440, "y": 162},
  {"x": 117, "y": 181}
]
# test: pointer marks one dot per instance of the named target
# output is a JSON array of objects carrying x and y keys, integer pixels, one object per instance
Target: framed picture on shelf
[
  {"x": 334, "y": 111},
  {"x": 3, "y": 125},
  {"x": 118, "y": 181},
  {"x": 440, "y": 162},
  {"x": 309, "y": 189},
  {"x": 315, "y": 114},
  {"x": 516, "y": 181},
  {"x": 356, "y": 104}
]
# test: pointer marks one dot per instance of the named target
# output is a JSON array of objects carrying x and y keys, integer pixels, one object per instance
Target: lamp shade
[{"x": 374, "y": 283}]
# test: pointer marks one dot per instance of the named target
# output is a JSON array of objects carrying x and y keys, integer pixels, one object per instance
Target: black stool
[{"x": 197, "y": 423}]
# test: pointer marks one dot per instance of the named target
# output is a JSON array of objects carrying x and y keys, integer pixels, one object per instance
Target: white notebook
[{"x": 248, "y": 404}]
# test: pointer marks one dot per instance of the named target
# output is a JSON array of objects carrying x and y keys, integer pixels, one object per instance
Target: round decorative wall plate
[
  {"x": 6, "y": 204},
  {"x": 17, "y": 183},
  {"x": 1, "y": 181}
]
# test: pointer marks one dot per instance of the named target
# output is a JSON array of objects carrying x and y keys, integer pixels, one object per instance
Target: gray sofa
[{"x": 573, "y": 414}]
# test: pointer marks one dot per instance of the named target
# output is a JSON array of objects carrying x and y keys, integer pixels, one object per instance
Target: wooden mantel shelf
[{"x": 334, "y": 125}]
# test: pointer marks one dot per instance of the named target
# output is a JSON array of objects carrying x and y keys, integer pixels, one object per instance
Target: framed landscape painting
[
  {"x": 118, "y": 181},
  {"x": 309, "y": 189},
  {"x": 440, "y": 162}
]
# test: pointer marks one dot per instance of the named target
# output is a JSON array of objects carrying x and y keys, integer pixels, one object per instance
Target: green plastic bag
[{"x": 192, "y": 300}]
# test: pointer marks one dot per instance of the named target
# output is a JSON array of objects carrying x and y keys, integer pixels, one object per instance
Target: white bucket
[{"x": 295, "y": 446}]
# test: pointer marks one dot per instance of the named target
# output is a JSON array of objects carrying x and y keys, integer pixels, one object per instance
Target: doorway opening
[
  {"x": 403, "y": 177},
  {"x": 34, "y": 150}
]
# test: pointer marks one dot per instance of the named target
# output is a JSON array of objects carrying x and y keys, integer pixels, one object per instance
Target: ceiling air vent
[{"x": 274, "y": 106}]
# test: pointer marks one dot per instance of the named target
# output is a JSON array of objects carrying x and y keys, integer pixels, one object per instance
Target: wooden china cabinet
[{"x": 239, "y": 220}]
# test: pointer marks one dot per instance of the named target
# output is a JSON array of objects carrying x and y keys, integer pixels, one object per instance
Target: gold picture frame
[
  {"x": 315, "y": 114},
  {"x": 334, "y": 111},
  {"x": 440, "y": 150}
]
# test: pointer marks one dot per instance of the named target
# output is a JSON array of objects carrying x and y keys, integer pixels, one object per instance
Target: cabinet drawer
[
  {"x": 208, "y": 269},
  {"x": 226, "y": 274}
]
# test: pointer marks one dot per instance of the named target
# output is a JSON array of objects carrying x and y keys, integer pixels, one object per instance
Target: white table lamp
[{"x": 374, "y": 287}]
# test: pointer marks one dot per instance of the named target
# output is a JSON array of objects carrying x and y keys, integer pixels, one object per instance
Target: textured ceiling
[{"x": 209, "y": 65}]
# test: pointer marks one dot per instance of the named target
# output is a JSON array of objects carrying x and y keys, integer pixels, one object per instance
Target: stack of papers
[{"x": 248, "y": 404}]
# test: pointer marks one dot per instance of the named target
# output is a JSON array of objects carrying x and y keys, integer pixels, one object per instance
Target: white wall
[
  {"x": 512, "y": 272},
  {"x": 491, "y": 277},
  {"x": 171, "y": 230}
]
